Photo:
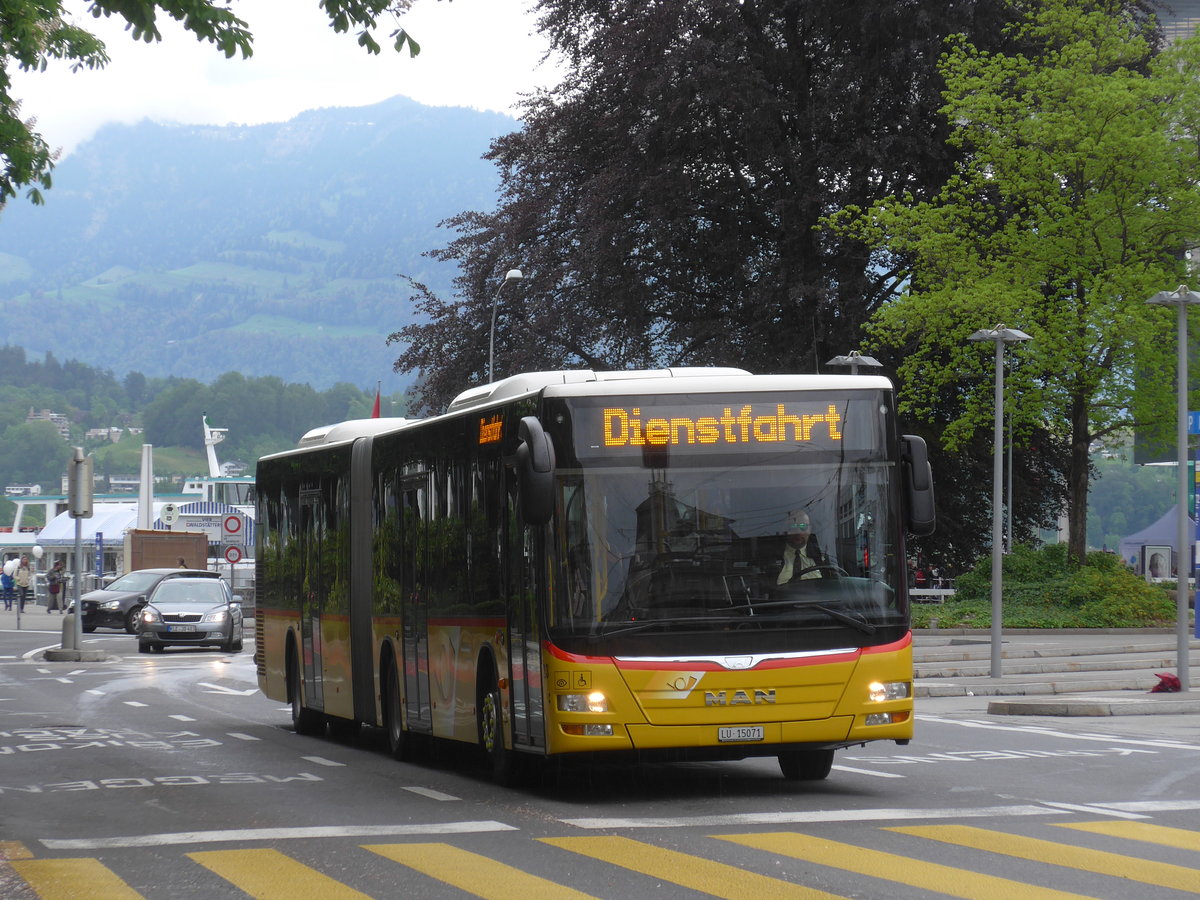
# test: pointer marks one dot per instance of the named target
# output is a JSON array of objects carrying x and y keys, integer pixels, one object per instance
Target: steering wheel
[{"x": 823, "y": 567}]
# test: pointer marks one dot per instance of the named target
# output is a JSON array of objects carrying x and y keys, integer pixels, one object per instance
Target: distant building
[
  {"x": 22, "y": 490},
  {"x": 57, "y": 419},
  {"x": 112, "y": 434}
]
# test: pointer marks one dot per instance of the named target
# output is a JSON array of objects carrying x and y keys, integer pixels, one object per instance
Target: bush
[{"x": 1046, "y": 589}]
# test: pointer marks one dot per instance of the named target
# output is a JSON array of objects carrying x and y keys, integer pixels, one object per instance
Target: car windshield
[
  {"x": 180, "y": 591},
  {"x": 134, "y": 581}
]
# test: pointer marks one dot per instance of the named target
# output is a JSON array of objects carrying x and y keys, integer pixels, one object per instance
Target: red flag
[{"x": 375, "y": 408}]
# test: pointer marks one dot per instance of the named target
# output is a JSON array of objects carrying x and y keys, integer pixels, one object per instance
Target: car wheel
[
  {"x": 143, "y": 648},
  {"x": 806, "y": 765},
  {"x": 88, "y": 629},
  {"x": 158, "y": 648},
  {"x": 132, "y": 622}
]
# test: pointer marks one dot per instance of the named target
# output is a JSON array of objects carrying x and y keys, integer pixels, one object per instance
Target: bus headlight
[
  {"x": 593, "y": 702},
  {"x": 879, "y": 691}
]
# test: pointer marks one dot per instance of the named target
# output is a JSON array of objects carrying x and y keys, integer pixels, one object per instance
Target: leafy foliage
[
  {"x": 1047, "y": 588},
  {"x": 663, "y": 201},
  {"x": 263, "y": 415},
  {"x": 1077, "y": 191}
]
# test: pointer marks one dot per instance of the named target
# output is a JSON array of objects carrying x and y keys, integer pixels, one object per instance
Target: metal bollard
[{"x": 68, "y": 632}]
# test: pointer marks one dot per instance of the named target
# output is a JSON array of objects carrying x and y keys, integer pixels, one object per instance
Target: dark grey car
[
  {"x": 191, "y": 612},
  {"x": 119, "y": 604}
]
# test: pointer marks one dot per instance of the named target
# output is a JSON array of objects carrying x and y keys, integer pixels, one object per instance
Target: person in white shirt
[{"x": 801, "y": 556}]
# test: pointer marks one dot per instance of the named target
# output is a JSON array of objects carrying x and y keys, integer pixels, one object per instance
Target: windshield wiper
[
  {"x": 645, "y": 624},
  {"x": 854, "y": 620}
]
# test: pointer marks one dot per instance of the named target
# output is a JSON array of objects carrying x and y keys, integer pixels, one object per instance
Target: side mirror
[
  {"x": 918, "y": 484},
  {"x": 535, "y": 471}
]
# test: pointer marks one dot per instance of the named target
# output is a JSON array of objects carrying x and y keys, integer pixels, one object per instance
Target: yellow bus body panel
[{"x": 819, "y": 699}]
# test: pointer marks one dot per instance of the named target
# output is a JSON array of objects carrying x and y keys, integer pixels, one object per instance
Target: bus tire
[
  {"x": 393, "y": 716},
  {"x": 499, "y": 759},
  {"x": 806, "y": 765},
  {"x": 304, "y": 720}
]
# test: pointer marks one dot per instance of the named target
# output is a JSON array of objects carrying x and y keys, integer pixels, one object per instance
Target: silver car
[{"x": 191, "y": 612}]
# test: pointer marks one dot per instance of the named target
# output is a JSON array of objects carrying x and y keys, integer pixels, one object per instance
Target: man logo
[{"x": 739, "y": 698}]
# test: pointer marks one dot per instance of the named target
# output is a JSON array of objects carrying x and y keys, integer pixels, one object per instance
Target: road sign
[
  {"x": 232, "y": 529},
  {"x": 1194, "y": 421},
  {"x": 233, "y": 553},
  {"x": 169, "y": 514}
]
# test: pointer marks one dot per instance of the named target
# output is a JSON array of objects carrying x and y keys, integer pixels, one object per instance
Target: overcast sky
[{"x": 477, "y": 53}]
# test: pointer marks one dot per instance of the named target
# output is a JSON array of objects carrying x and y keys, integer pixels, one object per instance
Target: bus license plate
[
  {"x": 181, "y": 628},
  {"x": 741, "y": 733}
]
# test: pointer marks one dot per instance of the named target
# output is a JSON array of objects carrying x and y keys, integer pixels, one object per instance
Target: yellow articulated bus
[{"x": 679, "y": 564}]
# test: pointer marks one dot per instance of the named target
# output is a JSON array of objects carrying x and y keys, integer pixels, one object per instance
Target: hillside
[{"x": 268, "y": 250}]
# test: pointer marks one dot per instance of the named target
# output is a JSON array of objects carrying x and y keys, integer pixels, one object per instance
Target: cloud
[{"x": 481, "y": 54}]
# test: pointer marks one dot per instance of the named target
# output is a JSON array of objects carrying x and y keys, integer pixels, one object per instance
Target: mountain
[{"x": 267, "y": 249}]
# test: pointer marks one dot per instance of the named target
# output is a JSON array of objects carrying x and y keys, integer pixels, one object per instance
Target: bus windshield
[{"x": 786, "y": 546}]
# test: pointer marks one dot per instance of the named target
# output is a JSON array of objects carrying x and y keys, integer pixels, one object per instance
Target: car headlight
[
  {"x": 111, "y": 604},
  {"x": 879, "y": 691},
  {"x": 216, "y": 615},
  {"x": 150, "y": 615}
]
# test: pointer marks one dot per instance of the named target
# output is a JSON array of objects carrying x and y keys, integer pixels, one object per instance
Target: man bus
[{"x": 589, "y": 563}]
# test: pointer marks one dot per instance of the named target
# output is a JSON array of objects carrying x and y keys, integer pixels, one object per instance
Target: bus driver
[{"x": 800, "y": 555}]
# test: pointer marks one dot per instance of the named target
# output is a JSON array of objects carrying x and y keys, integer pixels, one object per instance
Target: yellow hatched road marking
[
  {"x": 893, "y": 867},
  {"x": 269, "y": 875},
  {"x": 14, "y": 850},
  {"x": 697, "y": 873},
  {"x": 70, "y": 879},
  {"x": 1181, "y": 878},
  {"x": 473, "y": 873},
  {"x": 1179, "y": 838}
]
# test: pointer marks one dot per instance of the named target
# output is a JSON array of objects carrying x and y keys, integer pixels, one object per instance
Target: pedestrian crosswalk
[{"x": 1091, "y": 859}]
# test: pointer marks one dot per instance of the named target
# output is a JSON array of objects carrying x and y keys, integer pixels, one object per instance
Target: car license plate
[
  {"x": 741, "y": 733},
  {"x": 181, "y": 628}
]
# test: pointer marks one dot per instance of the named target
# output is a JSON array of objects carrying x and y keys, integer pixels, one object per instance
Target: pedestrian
[
  {"x": 182, "y": 563},
  {"x": 55, "y": 581},
  {"x": 7, "y": 587},
  {"x": 23, "y": 577}
]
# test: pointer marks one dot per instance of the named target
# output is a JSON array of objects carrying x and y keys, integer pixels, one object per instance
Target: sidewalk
[{"x": 1057, "y": 673}]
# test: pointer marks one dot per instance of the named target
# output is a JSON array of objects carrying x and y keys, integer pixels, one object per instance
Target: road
[{"x": 172, "y": 777}]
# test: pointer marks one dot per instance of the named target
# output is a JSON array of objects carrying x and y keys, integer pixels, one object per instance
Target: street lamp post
[
  {"x": 1001, "y": 335},
  {"x": 511, "y": 275},
  {"x": 1181, "y": 298},
  {"x": 854, "y": 359}
]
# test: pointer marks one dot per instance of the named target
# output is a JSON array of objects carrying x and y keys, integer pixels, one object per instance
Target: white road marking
[
  {"x": 183, "y": 718},
  {"x": 272, "y": 834},
  {"x": 221, "y": 689},
  {"x": 321, "y": 761},
  {"x": 242, "y": 737},
  {"x": 1095, "y": 810},
  {"x": 430, "y": 793},
  {"x": 1051, "y": 732},
  {"x": 94, "y": 691},
  {"x": 134, "y": 703},
  {"x": 868, "y": 772},
  {"x": 834, "y": 815}
]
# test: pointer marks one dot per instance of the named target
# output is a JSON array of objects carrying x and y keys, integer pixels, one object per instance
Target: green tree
[
  {"x": 664, "y": 200},
  {"x": 34, "y": 33},
  {"x": 1076, "y": 194},
  {"x": 33, "y": 453}
]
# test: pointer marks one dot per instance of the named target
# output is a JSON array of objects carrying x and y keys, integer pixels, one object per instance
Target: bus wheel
[
  {"x": 304, "y": 720},
  {"x": 806, "y": 765},
  {"x": 491, "y": 735},
  {"x": 393, "y": 718}
]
